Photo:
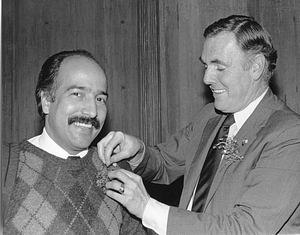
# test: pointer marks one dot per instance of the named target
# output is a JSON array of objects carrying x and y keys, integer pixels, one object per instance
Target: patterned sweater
[{"x": 57, "y": 196}]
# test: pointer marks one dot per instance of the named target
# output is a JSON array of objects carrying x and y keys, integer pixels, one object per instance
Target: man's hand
[
  {"x": 128, "y": 189},
  {"x": 116, "y": 146}
]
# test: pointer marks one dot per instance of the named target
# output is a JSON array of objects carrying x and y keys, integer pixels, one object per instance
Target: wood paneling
[
  {"x": 149, "y": 49},
  {"x": 33, "y": 30},
  {"x": 282, "y": 20},
  {"x": 181, "y": 28},
  {"x": 149, "y": 76},
  {"x": 182, "y": 24}
]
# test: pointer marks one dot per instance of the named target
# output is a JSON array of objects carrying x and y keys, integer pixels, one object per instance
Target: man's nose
[
  {"x": 208, "y": 77},
  {"x": 90, "y": 108}
]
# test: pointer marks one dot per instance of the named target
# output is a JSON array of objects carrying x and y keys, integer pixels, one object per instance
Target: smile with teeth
[
  {"x": 218, "y": 91},
  {"x": 84, "y": 125}
]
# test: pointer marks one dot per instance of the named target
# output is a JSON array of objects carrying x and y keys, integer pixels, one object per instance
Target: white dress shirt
[
  {"x": 156, "y": 214},
  {"x": 45, "y": 142}
]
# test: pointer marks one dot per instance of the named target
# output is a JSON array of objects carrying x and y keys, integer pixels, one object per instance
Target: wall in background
[
  {"x": 181, "y": 27},
  {"x": 149, "y": 50},
  {"x": 33, "y": 30}
]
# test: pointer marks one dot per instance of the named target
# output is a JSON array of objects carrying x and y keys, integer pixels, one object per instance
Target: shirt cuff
[
  {"x": 155, "y": 216},
  {"x": 134, "y": 163}
]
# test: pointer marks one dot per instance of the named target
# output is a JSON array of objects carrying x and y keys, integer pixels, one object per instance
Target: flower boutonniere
[
  {"x": 102, "y": 175},
  {"x": 230, "y": 149}
]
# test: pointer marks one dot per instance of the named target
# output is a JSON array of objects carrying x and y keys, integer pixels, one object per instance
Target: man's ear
[
  {"x": 46, "y": 101},
  {"x": 258, "y": 66}
]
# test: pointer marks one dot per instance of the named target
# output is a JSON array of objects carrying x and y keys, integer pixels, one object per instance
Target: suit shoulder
[
  {"x": 286, "y": 117},
  {"x": 284, "y": 121},
  {"x": 208, "y": 111}
]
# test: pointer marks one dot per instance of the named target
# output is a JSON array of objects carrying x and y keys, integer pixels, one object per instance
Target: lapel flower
[
  {"x": 230, "y": 149},
  {"x": 102, "y": 176}
]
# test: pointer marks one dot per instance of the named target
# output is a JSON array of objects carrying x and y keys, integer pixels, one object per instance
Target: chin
[
  {"x": 223, "y": 107},
  {"x": 219, "y": 108},
  {"x": 82, "y": 144}
]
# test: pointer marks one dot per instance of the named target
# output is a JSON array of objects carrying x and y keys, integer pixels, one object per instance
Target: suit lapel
[
  {"x": 193, "y": 174},
  {"x": 245, "y": 137}
]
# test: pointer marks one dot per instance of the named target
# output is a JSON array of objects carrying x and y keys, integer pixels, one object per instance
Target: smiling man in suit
[{"x": 240, "y": 156}]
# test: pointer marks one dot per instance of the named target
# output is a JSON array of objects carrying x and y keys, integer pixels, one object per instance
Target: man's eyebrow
[
  {"x": 77, "y": 87},
  {"x": 103, "y": 93},
  {"x": 215, "y": 61},
  {"x": 84, "y": 88}
]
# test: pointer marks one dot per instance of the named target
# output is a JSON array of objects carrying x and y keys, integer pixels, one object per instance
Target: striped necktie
[{"x": 210, "y": 166}]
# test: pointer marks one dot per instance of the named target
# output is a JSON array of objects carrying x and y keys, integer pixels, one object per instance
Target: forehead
[
  {"x": 222, "y": 46},
  {"x": 81, "y": 71}
]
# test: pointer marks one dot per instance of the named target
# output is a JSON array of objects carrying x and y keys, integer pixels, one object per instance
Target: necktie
[{"x": 210, "y": 166}]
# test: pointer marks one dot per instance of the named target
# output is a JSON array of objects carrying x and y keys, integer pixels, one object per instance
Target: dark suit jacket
[{"x": 258, "y": 195}]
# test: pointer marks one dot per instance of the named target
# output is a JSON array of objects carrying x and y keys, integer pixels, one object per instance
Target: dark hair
[
  {"x": 47, "y": 81},
  {"x": 250, "y": 36}
]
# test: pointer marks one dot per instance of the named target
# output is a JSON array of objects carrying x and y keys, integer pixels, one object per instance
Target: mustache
[{"x": 86, "y": 120}]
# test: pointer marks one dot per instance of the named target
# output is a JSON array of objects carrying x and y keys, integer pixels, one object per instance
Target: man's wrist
[
  {"x": 138, "y": 158},
  {"x": 155, "y": 216}
]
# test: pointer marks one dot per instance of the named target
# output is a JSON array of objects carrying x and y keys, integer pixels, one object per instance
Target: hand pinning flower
[
  {"x": 230, "y": 149},
  {"x": 102, "y": 176}
]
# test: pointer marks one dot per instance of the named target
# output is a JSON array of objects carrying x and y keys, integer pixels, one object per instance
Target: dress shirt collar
[
  {"x": 242, "y": 116},
  {"x": 45, "y": 142}
]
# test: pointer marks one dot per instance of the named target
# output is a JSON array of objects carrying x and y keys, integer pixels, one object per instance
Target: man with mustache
[{"x": 48, "y": 191}]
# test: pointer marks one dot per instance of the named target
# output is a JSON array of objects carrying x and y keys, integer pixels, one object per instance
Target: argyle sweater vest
[{"x": 57, "y": 196}]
